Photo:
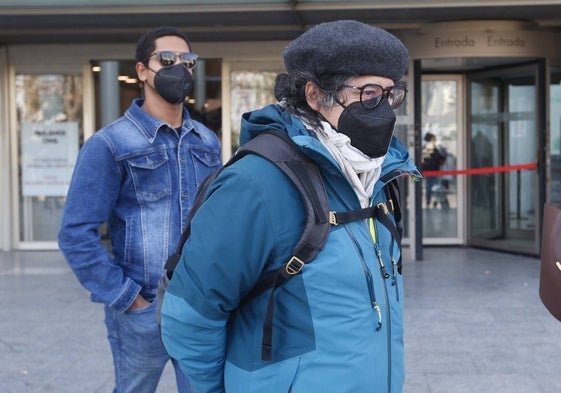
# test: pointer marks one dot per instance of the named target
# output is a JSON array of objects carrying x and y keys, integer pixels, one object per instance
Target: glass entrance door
[
  {"x": 49, "y": 129},
  {"x": 503, "y": 197},
  {"x": 443, "y": 132}
]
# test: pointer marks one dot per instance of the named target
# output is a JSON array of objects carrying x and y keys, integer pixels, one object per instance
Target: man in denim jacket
[{"x": 139, "y": 175}]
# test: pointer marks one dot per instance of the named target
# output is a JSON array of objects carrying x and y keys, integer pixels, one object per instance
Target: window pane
[
  {"x": 250, "y": 90},
  {"x": 49, "y": 110},
  {"x": 440, "y": 192}
]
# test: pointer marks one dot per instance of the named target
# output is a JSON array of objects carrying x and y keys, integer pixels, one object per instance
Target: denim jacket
[{"x": 140, "y": 176}]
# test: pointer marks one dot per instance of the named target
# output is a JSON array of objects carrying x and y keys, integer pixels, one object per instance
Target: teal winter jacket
[{"x": 337, "y": 326}]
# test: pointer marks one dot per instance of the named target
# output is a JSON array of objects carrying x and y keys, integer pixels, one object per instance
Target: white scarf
[{"x": 362, "y": 171}]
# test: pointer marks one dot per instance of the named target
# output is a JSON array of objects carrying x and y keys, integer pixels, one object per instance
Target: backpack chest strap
[
  {"x": 337, "y": 218},
  {"x": 380, "y": 212}
]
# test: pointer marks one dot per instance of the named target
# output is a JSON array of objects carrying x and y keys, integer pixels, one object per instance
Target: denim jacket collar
[{"x": 149, "y": 125}]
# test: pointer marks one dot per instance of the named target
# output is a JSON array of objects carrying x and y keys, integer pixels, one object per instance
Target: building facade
[{"x": 484, "y": 79}]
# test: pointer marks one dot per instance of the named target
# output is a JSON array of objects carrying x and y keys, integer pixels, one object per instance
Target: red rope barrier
[{"x": 483, "y": 170}]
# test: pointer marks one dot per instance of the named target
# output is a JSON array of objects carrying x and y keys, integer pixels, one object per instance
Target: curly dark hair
[
  {"x": 290, "y": 89},
  {"x": 147, "y": 43}
]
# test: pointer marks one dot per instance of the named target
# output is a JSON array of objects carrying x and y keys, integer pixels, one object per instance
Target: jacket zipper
[
  {"x": 369, "y": 280},
  {"x": 394, "y": 279},
  {"x": 373, "y": 227}
]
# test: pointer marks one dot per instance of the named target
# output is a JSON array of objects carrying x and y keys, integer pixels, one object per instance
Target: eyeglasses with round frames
[
  {"x": 371, "y": 94},
  {"x": 168, "y": 58}
]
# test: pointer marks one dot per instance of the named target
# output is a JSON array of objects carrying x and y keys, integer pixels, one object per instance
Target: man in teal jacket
[{"x": 338, "y": 325}]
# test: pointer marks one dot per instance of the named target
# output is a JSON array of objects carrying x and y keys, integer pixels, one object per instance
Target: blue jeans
[
  {"x": 139, "y": 356},
  {"x": 430, "y": 182}
]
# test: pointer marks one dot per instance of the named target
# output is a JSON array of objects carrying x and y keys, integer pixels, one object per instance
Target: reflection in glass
[
  {"x": 555, "y": 133},
  {"x": 521, "y": 144},
  {"x": 484, "y": 150}
]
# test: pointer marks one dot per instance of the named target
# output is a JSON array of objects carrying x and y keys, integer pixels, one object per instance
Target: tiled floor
[{"x": 474, "y": 324}]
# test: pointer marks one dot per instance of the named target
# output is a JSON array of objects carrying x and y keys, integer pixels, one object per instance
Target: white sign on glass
[{"x": 48, "y": 154}]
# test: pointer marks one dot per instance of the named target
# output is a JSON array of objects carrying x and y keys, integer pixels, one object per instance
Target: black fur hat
[{"x": 347, "y": 47}]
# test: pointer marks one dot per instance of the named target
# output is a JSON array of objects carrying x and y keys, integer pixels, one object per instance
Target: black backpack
[{"x": 304, "y": 173}]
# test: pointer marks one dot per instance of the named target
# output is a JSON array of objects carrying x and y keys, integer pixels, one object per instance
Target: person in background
[
  {"x": 138, "y": 175},
  {"x": 338, "y": 324},
  {"x": 433, "y": 157}
]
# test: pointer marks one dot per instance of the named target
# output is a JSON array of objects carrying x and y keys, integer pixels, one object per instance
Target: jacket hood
[
  {"x": 270, "y": 117},
  {"x": 274, "y": 117}
]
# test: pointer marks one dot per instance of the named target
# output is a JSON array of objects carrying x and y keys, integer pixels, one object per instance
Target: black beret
[{"x": 347, "y": 47}]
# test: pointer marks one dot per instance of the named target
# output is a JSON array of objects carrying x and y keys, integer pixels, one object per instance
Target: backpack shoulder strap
[
  {"x": 278, "y": 148},
  {"x": 305, "y": 176}
]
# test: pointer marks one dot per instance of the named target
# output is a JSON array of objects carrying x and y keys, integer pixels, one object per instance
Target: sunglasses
[
  {"x": 168, "y": 58},
  {"x": 371, "y": 94}
]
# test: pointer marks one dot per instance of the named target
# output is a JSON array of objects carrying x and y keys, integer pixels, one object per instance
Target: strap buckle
[
  {"x": 384, "y": 207},
  {"x": 333, "y": 218},
  {"x": 294, "y": 266}
]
